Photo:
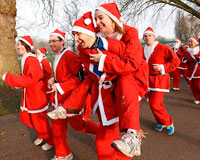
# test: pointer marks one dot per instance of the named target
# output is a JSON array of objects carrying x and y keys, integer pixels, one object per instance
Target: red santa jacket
[
  {"x": 181, "y": 53},
  {"x": 130, "y": 62},
  {"x": 102, "y": 87},
  {"x": 111, "y": 46},
  {"x": 34, "y": 97},
  {"x": 47, "y": 69},
  {"x": 66, "y": 66},
  {"x": 165, "y": 56},
  {"x": 193, "y": 65}
]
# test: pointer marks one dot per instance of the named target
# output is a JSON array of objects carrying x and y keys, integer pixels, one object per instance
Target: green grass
[{"x": 10, "y": 98}]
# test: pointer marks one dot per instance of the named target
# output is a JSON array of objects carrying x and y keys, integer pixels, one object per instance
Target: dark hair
[
  {"x": 60, "y": 39},
  {"x": 27, "y": 47}
]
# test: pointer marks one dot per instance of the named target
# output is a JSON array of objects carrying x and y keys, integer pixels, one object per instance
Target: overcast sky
[{"x": 29, "y": 20}]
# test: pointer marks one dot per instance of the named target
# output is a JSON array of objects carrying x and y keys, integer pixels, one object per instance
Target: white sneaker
[
  {"x": 38, "y": 141},
  {"x": 46, "y": 147},
  {"x": 176, "y": 89},
  {"x": 196, "y": 102},
  {"x": 68, "y": 157},
  {"x": 129, "y": 145},
  {"x": 58, "y": 113}
]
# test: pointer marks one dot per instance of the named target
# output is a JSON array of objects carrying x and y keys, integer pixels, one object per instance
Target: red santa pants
[
  {"x": 127, "y": 97},
  {"x": 40, "y": 123},
  {"x": 158, "y": 109},
  {"x": 60, "y": 132},
  {"x": 176, "y": 77},
  {"x": 195, "y": 87},
  {"x": 104, "y": 138}
]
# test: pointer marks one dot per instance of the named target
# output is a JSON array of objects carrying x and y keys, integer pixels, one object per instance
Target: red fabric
[
  {"x": 162, "y": 54},
  {"x": 40, "y": 123},
  {"x": 128, "y": 104},
  {"x": 59, "y": 127},
  {"x": 195, "y": 87},
  {"x": 34, "y": 87},
  {"x": 158, "y": 109},
  {"x": 191, "y": 64},
  {"x": 47, "y": 70},
  {"x": 104, "y": 138},
  {"x": 67, "y": 68},
  {"x": 78, "y": 124},
  {"x": 176, "y": 77}
]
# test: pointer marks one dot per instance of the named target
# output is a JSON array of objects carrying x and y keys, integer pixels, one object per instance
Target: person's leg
[
  {"x": 78, "y": 124},
  {"x": 176, "y": 79},
  {"x": 195, "y": 87},
  {"x": 105, "y": 136},
  {"x": 42, "y": 126},
  {"x": 127, "y": 98},
  {"x": 59, "y": 127},
  {"x": 158, "y": 109}
]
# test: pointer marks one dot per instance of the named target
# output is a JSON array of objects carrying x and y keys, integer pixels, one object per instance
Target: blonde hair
[{"x": 118, "y": 28}]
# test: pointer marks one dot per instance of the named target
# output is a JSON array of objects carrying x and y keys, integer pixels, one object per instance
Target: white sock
[{"x": 132, "y": 131}]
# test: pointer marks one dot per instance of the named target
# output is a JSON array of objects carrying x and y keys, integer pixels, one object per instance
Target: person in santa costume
[
  {"x": 182, "y": 68},
  {"x": 130, "y": 67},
  {"x": 34, "y": 104},
  {"x": 66, "y": 67},
  {"x": 192, "y": 58},
  {"x": 161, "y": 60},
  {"x": 101, "y": 86},
  {"x": 47, "y": 69}
]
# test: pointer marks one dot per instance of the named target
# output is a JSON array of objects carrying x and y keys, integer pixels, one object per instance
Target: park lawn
[{"x": 10, "y": 101}]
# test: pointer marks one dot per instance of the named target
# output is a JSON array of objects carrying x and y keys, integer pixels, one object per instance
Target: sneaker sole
[{"x": 116, "y": 147}]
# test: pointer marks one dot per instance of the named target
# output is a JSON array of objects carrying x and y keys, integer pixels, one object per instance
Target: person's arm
[
  {"x": 31, "y": 75},
  {"x": 131, "y": 59}
]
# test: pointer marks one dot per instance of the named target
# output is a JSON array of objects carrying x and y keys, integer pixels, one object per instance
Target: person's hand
[
  {"x": 96, "y": 57},
  {"x": 197, "y": 59},
  {"x": 51, "y": 81},
  {"x": 53, "y": 86},
  {"x": 156, "y": 67},
  {"x": 185, "y": 59}
]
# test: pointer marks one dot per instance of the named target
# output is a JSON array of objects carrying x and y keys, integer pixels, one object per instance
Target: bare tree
[
  {"x": 186, "y": 26},
  {"x": 135, "y": 7},
  {"x": 8, "y": 55}
]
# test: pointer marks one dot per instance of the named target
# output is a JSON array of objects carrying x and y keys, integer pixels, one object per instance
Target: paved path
[{"x": 16, "y": 139}]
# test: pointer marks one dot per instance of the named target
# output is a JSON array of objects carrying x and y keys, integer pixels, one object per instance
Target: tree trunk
[{"x": 8, "y": 55}]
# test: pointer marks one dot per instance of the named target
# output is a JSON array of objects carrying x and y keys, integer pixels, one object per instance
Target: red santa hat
[
  {"x": 195, "y": 39},
  {"x": 42, "y": 51},
  {"x": 150, "y": 31},
  {"x": 178, "y": 40},
  {"x": 27, "y": 40},
  {"x": 111, "y": 10},
  {"x": 85, "y": 25},
  {"x": 58, "y": 33}
]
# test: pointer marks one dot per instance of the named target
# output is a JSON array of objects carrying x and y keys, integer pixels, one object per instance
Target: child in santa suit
[
  {"x": 161, "y": 60},
  {"x": 182, "y": 68},
  {"x": 47, "y": 69},
  {"x": 34, "y": 102},
  {"x": 192, "y": 58},
  {"x": 66, "y": 66}
]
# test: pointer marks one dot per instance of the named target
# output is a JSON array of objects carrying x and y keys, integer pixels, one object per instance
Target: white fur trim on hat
[
  {"x": 150, "y": 32},
  {"x": 83, "y": 30},
  {"x": 193, "y": 40},
  {"x": 57, "y": 34},
  {"x": 22, "y": 39},
  {"x": 87, "y": 21},
  {"x": 110, "y": 15}
]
